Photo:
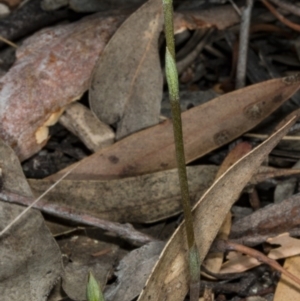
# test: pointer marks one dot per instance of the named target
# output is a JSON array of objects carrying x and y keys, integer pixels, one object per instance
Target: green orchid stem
[{"x": 172, "y": 79}]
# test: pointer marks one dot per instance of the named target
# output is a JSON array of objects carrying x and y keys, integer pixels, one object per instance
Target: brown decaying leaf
[
  {"x": 126, "y": 86},
  {"x": 143, "y": 199},
  {"x": 53, "y": 69},
  {"x": 205, "y": 128},
  {"x": 169, "y": 279},
  {"x": 30, "y": 258},
  {"x": 286, "y": 288},
  {"x": 213, "y": 261},
  {"x": 133, "y": 271},
  {"x": 129, "y": 200}
]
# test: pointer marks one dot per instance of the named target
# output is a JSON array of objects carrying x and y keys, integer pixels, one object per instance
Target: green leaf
[{"x": 93, "y": 291}]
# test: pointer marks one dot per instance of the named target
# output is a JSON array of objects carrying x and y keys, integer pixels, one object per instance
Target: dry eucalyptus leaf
[
  {"x": 286, "y": 288},
  {"x": 146, "y": 198},
  {"x": 53, "y": 68},
  {"x": 170, "y": 277},
  {"x": 29, "y": 256},
  {"x": 205, "y": 127},
  {"x": 133, "y": 271},
  {"x": 213, "y": 261},
  {"x": 80, "y": 121},
  {"x": 126, "y": 86}
]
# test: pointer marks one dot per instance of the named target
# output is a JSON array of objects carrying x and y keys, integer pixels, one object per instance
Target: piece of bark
[
  {"x": 80, "y": 121},
  {"x": 272, "y": 219},
  {"x": 53, "y": 69}
]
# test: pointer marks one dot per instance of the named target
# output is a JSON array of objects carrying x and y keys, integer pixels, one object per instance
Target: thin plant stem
[
  {"x": 172, "y": 80},
  {"x": 243, "y": 45}
]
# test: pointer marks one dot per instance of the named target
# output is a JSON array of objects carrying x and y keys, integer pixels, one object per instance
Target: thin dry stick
[
  {"x": 237, "y": 9},
  {"x": 230, "y": 246},
  {"x": 265, "y": 136},
  {"x": 8, "y": 42},
  {"x": 280, "y": 17},
  {"x": 125, "y": 231},
  {"x": 37, "y": 200},
  {"x": 288, "y": 7},
  {"x": 243, "y": 46}
]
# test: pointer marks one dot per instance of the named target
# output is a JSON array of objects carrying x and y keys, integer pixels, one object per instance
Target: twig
[
  {"x": 243, "y": 46},
  {"x": 280, "y": 17},
  {"x": 224, "y": 246},
  {"x": 237, "y": 9},
  {"x": 8, "y": 42},
  {"x": 288, "y": 7},
  {"x": 265, "y": 136},
  {"x": 126, "y": 231},
  {"x": 37, "y": 200}
]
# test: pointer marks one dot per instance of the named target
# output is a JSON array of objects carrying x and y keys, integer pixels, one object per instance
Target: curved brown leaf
[
  {"x": 126, "y": 86},
  {"x": 205, "y": 127},
  {"x": 170, "y": 277},
  {"x": 53, "y": 69},
  {"x": 141, "y": 199}
]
